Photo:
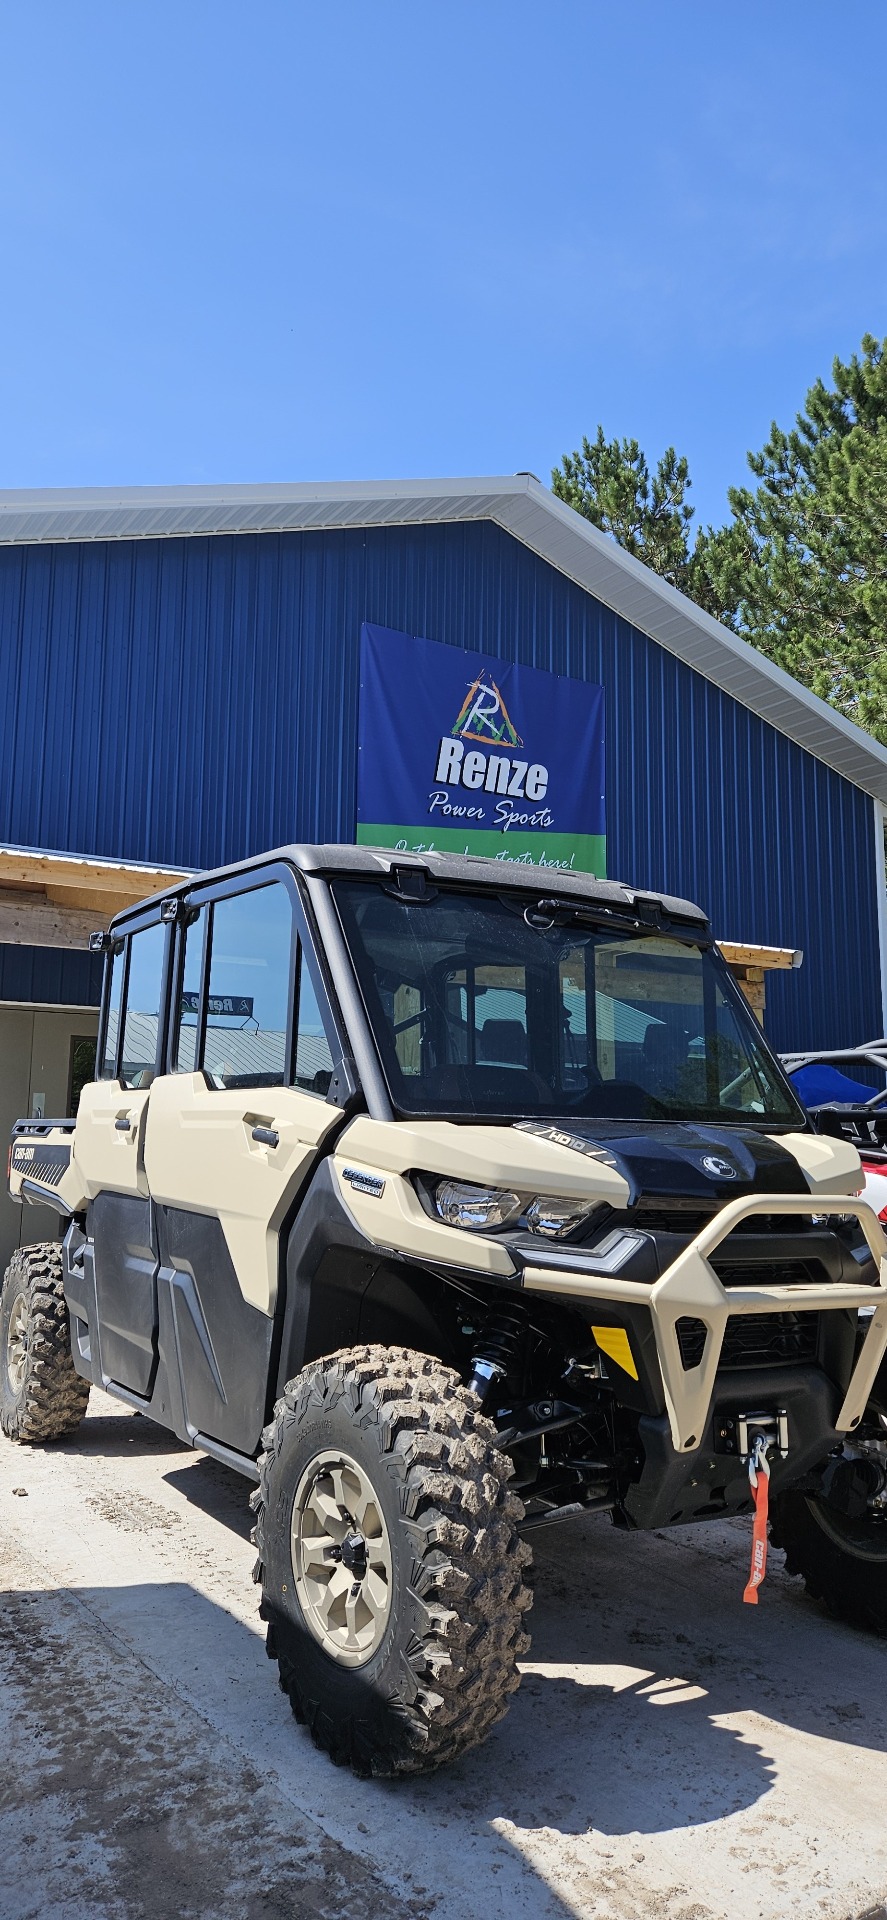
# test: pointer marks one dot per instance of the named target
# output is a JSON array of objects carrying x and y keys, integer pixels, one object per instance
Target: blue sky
[{"x": 294, "y": 241}]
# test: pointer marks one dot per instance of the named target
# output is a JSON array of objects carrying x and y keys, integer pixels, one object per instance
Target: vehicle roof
[{"x": 340, "y": 859}]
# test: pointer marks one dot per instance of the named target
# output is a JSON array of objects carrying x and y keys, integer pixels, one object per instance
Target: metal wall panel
[
  {"x": 190, "y": 701},
  {"x": 50, "y": 976}
]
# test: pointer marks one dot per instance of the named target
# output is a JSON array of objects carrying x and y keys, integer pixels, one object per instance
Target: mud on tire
[
  {"x": 41, "y": 1396},
  {"x": 445, "y": 1667},
  {"x": 843, "y": 1564}
]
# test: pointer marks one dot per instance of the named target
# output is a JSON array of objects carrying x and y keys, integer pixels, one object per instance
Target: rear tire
[
  {"x": 392, "y": 1573},
  {"x": 843, "y": 1562},
  {"x": 41, "y": 1396}
]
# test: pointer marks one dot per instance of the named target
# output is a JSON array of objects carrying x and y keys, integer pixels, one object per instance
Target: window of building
[{"x": 81, "y": 1069}]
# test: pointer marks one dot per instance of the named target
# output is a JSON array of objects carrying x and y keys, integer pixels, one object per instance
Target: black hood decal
[{"x": 680, "y": 1161}]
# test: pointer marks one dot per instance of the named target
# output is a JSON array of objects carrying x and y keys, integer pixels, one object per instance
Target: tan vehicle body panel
[
  {"x": 828, "y": 1165},
  {"x": 190, "y": 1146},
  {"x": 200, "y": 1156},
  {"x": 506, "y": 1157},
  {"x": 110, "y": 1158},
  {"x": 496, "y": 1156},
  {"x": 487, "y": 1156},
  {"x": 396, "y": 1219},
  {"x": 25, "y": 1164}
]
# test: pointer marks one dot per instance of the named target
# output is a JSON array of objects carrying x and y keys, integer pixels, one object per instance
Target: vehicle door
[
  {"x": 109, "y": 1145},
  {"x": 234, "y": 1129}
]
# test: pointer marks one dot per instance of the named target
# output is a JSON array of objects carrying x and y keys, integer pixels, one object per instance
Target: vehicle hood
[{"x": 700, "y": 1164}]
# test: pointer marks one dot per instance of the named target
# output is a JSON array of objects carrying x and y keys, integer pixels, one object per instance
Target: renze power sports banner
[{"x": 468, "y": 754}]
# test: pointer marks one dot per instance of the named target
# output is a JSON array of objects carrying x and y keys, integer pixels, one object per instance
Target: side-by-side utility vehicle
[{"x": 445, "y": 1199}]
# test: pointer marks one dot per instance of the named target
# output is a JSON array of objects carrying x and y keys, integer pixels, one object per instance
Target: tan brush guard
[{"x": 690, "y": 1288}]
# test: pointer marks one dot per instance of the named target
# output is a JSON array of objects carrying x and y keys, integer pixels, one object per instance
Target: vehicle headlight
[
  {"x": 463, "y": 1205},
  {"x": 552, "y": 1216}
]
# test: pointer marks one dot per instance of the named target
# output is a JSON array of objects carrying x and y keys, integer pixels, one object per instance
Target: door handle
[
  {"x": 266, "y": 1136},
  {"x": 124, "y": 1126}
]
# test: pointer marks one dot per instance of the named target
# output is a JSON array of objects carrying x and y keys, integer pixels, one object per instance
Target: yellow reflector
[{"x": 613, "y": 1341}]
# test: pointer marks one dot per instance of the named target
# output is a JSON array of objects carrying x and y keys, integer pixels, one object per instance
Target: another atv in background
[
  {"x": 850, "y": 1108},
  {"x": 445, "y": 1199}
]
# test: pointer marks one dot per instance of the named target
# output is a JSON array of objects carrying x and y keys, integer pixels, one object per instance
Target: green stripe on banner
[{"x": 569, "y": 852}]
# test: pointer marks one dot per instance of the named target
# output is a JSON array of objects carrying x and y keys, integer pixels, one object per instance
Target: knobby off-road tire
[
  {"x": 843, "y": 1562},
  {"x": 413, "y": 1677},
  {"x": 41, "y": 1396}
]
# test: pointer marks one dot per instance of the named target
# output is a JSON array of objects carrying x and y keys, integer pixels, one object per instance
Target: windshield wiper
[{"x": 646, "y": 917}]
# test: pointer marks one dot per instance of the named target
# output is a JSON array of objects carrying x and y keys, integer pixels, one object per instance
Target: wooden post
[{"x": 750, "y": 965}]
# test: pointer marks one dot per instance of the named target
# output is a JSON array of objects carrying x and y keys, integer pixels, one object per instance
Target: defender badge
[{"x": 369, "y": 1183}]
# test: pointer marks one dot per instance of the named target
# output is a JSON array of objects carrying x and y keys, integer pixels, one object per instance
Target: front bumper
[{"x": 690, "y": 1289}]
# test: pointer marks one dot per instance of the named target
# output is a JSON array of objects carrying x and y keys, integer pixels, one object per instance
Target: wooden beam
[
  {"x": 50, "y": 888},
  {"x": 30, "y": 920},
  {"x": 103, "y": 876},
  {"x": 739, "y": 954},
  {"x": 93, "y": 899}
]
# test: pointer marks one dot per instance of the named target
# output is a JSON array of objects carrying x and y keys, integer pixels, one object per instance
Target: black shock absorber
[{"x": 497, "y": 1346}]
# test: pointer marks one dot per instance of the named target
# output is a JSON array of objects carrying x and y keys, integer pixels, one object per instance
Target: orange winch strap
[{"x": 760, "y": 1492}]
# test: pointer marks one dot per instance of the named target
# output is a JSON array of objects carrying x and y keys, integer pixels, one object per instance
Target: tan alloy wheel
[
  {"x": 17, "y": 1343},
  {"x": 341, "y": 1558}
]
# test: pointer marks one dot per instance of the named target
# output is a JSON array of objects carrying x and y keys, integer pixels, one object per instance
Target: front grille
[
  {"x": 755, "y": 1340},
  {"x": 675, "y": 1219},
  {"x": 679, "y": 1216},
  {"x": 770, "y": 1273}
]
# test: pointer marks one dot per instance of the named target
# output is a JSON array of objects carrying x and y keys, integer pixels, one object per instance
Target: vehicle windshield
[{"x": 476, "y": 1010}]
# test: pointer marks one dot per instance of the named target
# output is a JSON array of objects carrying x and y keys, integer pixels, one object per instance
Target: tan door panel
[
  {"x": 109, "y": 1140},
  {"x": 200, "y": 1155}
]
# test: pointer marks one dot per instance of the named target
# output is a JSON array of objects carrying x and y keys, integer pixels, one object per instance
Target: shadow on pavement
[
  {"x": 215, "y": 1490},
  {"x": 621, "y": 1724},
  {"x": 114, "y": 1436}
]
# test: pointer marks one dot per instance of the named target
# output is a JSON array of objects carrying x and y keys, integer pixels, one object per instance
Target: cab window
[
  {"x": 141, "y": 1016},
  {"x": 314, "y": 1060},
  {"x": 185, "y": 1037},
  {"x": 112, "y": 1024},
  {"x": 250, "y": 970},
  {"x": 251, "y": 939}
]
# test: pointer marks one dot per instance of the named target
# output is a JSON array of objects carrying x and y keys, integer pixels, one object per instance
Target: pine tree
[
  {"x": 805, "y": 563},
  {"x": 609, "y": 483},
  {"x": 801, "y": 568}
]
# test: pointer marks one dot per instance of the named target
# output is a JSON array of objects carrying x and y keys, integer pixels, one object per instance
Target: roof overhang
[
  {"x": 58, "y": 900},
  {"x": 518, "y": 503}
]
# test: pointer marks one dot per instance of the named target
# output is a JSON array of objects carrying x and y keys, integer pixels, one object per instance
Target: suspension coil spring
[{"x": 497, "y": 1346}]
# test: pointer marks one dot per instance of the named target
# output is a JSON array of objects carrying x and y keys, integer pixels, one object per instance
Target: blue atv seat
[{"x": 819, "y": 1084}]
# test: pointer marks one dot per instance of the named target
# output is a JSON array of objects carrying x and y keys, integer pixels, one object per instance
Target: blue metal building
[{"x": 178, "y": 686}]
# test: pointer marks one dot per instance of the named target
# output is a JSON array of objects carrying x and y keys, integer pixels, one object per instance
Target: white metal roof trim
[
  {"x": 628, "y": 587},
  {"x": 127, "y": 523}
]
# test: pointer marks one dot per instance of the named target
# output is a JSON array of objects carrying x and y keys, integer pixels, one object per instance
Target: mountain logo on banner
[{"x": 484, "y": 716}]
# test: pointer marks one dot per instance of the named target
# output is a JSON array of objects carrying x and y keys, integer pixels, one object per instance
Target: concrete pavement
[{"x": 672, "y": 1755}]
